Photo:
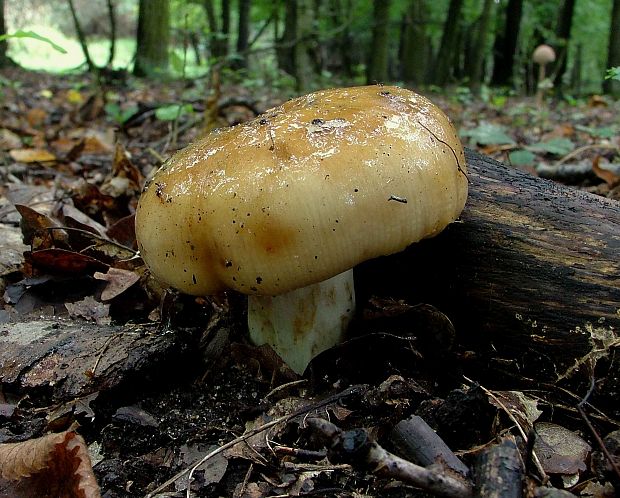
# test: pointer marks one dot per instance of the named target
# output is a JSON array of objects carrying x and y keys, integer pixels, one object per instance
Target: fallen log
[{"x": 530, "y": 275}]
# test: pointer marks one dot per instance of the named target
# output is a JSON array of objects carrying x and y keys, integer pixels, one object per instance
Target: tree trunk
[
  {"x": 286, "y": 43},
  {"x": 613, "y": 52},
  {"x": 303, "y": 64},
  {"x": 152, "y": 38},
  {"x": 112, "y": 18},
  {"x": 377, "y": 69},
  {"x": 81, "y": 37},
  {"x": 530, "y": 275},
  {"x": 506, "y": 45},
  {"x": 415, "y": 44},
  {"x": 3, "y": 44},
  {"x": 565, "y": 21},
  {"x": 480, "y": 46},
  {"x": 243, "y": 34},
  {"x": 448, "y": 47},
  {"x": 218, "y": 40}
]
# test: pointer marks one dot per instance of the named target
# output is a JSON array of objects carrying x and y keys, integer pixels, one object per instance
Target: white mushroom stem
[{"x": 302, "y": 323}]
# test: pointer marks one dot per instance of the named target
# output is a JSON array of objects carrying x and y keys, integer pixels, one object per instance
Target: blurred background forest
[{"x": 300, "y": 45}]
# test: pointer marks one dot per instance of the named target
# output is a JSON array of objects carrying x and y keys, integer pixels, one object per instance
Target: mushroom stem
[{"x": 302, "y": 323}]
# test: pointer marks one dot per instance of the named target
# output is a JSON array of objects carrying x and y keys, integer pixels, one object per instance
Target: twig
[
  {"x": 594, "y": 432},
  {"x": 302, "y": 411},
  {"x": 535, "y": 458},
  {"x": 579, "y": 150},
  {"x": 356, "y": 447},
  {"x": 284, "y": 386}
]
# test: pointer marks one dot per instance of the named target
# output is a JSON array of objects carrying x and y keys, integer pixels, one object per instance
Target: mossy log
[{"x": 529, "y": 275}]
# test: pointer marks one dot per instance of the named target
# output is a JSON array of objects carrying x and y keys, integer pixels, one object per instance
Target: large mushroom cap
[{"x": 303, "y": 192}]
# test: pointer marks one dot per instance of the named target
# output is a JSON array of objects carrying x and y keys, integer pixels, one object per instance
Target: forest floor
[{"x": 154, "y": 381}]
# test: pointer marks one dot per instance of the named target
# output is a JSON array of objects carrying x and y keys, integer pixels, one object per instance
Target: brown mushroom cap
[
  {"x": 303, "y": 192},
  {"x": 543, "y": 54}
]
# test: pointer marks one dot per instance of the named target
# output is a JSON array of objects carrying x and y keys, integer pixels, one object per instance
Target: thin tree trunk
[
  {"x": 152, "y": 38},
  {"x": 81, "y": 37},
  {"x": 303, "y": 63},
  {"x": 285, "y": 43},
  {"x": 480, "y": 46},
  {"x": 112, "y": 32},
  {"x": 613, "y": 52},
  {"x": 218, "y": 43},
  {"x": 415, "y": 44},
  {"x": 563, "y": 29},
  {"x": 243, "y": 34},
  {"x": 506, "y": 44},
  {"x": 447, "y": 49},
  {"x": 377, "y": 69},
  {"x": 3, "y": 44}
]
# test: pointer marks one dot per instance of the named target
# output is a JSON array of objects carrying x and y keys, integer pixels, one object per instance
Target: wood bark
[
  {"x": 530, "y": 274},
  {"x": 562, "y": 31},
  {"x": 480, "y": 51},
  {"x": 498, "y": 472},
  {"x": 505, "y": 48},
  {"x": 613, "y": 51},
  {"x": 3, "y": 43},
  {"x": 448, "y": 47},
  {"x": 152, "y": 38},
  {"x": 377, "y": 70},
  {"x": 243, "y": 34},
  {"x": 415, "y": 44}
]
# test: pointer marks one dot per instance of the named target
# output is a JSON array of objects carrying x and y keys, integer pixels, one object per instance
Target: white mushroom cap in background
[
  {"x": 305, "y": 191},
  {"x": 543, "y": 54}
]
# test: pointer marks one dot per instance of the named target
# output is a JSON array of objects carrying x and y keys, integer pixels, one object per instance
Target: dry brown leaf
[
  {"x": 9, "y": 140},
  {"x": 36, "y": 117},
  {"x": 560, "y": 451},
  {"x": 118, "y": 282},
  {"x": 62, "y": 261},
  {"x": 90, "y": 309},
  {"x": 32, "y": 155},
  {"x": 55, "y": 465},
  {"x": 609, "y": 177}
]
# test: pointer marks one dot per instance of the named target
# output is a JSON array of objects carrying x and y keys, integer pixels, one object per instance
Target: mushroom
[
  {"x": 284, "y": 206},
  {"x": 543, "y": 55}
]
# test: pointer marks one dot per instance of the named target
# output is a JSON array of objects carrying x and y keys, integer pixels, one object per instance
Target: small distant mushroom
[
  {"x": 543, "y": 55},
  {"x": 283, "y": 207}
]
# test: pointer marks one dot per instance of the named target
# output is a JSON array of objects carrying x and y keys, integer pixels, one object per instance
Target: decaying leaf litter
[{"x": 156, "y": 381}]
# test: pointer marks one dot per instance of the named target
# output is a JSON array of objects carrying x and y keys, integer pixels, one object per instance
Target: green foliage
[
  {"x": 599, "y": 132},
  {"x": 521, "y": 157},
  {"x": 173, "y": 111},
  {"x": 613, "y": 74},
  {"x": 118, "y": 114},
  {"x": 556, "y": 146},
  {"x": 31, "y": 34},
  {"x": 488, "y": 134}
]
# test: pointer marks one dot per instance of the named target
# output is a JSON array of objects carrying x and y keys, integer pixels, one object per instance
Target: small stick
[
  {"x": 357, "y": 448},
  {"x": 498, "y": 471},
  {"x": 343, "y": 394},
  {"x": 415, "y": 440}
]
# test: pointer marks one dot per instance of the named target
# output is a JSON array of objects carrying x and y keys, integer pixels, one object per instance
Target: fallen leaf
[
  {"x": 32, "y": 155},
  {"x": 36, "y": 117},
  {"x": 39, "y": 230},
  {"x": 522, "y": 407},
  {"x": 91, "y": 310},
  {"x": 560, "y": 451},
  {"x": 9, "y": 140},
  {"x": 609, "y": 177},
  {"x": 63, "y": 261},
  {"x": 118, "y": 281},
  {"x": 54, "y": 465}
]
